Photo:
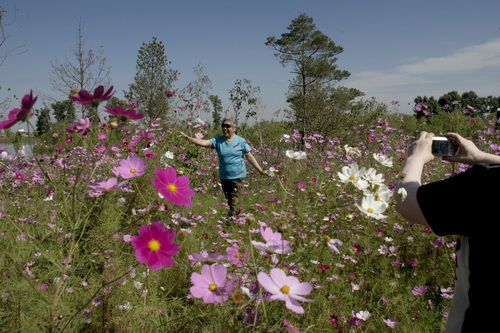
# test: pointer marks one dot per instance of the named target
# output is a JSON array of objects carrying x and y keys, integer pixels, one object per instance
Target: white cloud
[{"x": 470, "y": 68}]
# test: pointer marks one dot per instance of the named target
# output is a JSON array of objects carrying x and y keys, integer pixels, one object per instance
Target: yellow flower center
[
  {"x": 369, "y": 210},
  {"x": 237, "y": 255},
  {"x": 351, "y": 178},
  {"x": 154, "y": 245},
  {"x": 212, "y": 287},
  {"x": 133, "y": 170},
  {"x": 107, "y": 187},
  {"x": 172, "y": 187},
  {"x": 285, "y": 289},
  {"x": 377, "y": 198}
]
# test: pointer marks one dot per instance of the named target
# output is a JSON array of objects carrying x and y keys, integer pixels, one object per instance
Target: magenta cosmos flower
[
  {"x": 169, "y": 94},
  {"x": 17, "y": 115},
  {"x": 123, "y": 114},
  {"x": 285, "y": 288},
  {"x": 84, "y": 97},
  {"x": 212, "y": 284},
  {"x": 174, "y": 189},
  {"x": 130, "y": 167},
  {"x": 155, "y": 246}
]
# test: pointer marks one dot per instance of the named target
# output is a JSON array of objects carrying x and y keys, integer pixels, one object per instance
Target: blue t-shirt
[{"x": 231, "y": 156}]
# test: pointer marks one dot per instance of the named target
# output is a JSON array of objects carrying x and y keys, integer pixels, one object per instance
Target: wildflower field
[{"x": 122, "y": 227}]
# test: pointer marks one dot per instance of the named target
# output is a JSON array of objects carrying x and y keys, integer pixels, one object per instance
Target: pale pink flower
[
  {"x": 273, "y": 242},
  {"x": 212, "y": 284},
  {"x": 130, "y": 167},
  {"x": 285, "y": 288}
]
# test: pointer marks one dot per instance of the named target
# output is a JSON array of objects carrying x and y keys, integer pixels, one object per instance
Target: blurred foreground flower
[
  {"x": 155, "y": 246},
  {"x": 174, "y": 189},
  {"x": 212, "y": 284},
  {"x": 124, "y": 115},
  {"x": 84, "y": 97},
  {"x": 22, "y": 114},
  {"x": 285, "y": 288}
]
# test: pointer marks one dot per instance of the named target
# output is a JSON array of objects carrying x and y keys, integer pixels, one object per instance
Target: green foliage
[
  {"x": 64, "y": 111},
  {"x": 468, "y": 103},
  {"x": 216, "y": 110},
  {"x": 152, "y": 79},
  {"x": 312, "y": 95},
  {"x": 244, "y": 98},
  {"x": 43, "y": 122}
]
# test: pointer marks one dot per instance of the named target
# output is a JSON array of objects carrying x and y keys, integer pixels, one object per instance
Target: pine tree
[{"x": 151, "y": 80}]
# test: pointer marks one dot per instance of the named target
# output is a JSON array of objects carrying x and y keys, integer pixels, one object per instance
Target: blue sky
[{"x": 394, "y": 49}]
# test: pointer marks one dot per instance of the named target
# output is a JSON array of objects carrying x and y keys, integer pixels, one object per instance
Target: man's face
[{"x": 227, "y": 129}]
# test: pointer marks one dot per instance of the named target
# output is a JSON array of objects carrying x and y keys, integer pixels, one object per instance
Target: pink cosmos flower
[
  {"x": 130, "y": 167},
  {"x": 285, "y": 288},
  {"x": 235, "y": 255},
  {"x": 273, "y": 243},
  {"x": 84, "y": 97},
  {"x": 107, "y": 185},
  {"x": 17, "y": 115},
  {"x": 212, "y": 284},
  {"x": 123, "y": 114},
  {"x": 172, "y": 188},
  {"x": 155, "y": 246}
]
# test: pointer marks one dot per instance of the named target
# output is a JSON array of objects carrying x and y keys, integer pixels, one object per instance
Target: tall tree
[
  {"x": 197, "y": 91},
  {"x": 152, "y": 79},
  {"x": 43, "y": 122},
  {"x": 244, "y": 98},
  {"x": 217, "y": 109},
  {"x": 85, "y": 69},
  {"x": 64, "y": 111},
  {"x": 312, "y": 56}
]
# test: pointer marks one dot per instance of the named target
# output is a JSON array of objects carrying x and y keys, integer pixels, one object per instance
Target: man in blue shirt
[{"x": 231, "y": 150}]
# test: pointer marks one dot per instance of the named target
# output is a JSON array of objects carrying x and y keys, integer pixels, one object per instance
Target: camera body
[{"x": 442, "y": 146}]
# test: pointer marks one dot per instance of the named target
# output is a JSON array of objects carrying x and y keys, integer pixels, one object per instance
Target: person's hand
[
  {"x": 467, "y": 152},
  {"x": 422, "y": 148}
]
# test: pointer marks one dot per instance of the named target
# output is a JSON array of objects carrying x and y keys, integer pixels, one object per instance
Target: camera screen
[{"x": 442, "y": 147}]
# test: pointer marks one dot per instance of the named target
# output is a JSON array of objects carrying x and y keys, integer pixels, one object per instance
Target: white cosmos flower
[
  {"x": 335, "y": 245},
  {"x": 296, "y": 155},
  {"x": 361, "y": 184},
  {"x": 363, "y": 315},
  {"x": 402, "y": 193},
  {"x": 351, "y": 174},
  {"x": 384, "y": 160},
  {"x": 372, "y": 207},
  {"x": 164, "y": 159},
  {"x": 380, "y": 194},
  {"x": 271, "y": 171},
  {"x": 373, "y": 177},
  {"x": 352, "y": 151}
]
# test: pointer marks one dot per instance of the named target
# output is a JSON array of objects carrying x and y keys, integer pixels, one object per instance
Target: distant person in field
[
  {"x": 464, "y": 205},
  {"x": 231, "y": 150}
]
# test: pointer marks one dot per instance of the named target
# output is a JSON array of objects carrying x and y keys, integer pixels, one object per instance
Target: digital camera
[{"x": 442, "y": 146}]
